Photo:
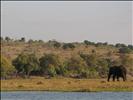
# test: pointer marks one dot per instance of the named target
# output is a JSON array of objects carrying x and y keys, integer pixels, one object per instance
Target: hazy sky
[{"x": 68, "y": 21}]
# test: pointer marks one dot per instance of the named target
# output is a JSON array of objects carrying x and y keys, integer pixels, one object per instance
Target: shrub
[
  {"x": 76, "y": 64},
  {"x": 57, "y": 44},
  {"x": 119, "y": 45},
  {"x": 26, "y": 63},
  {"x": 102, "y": 67},
  {"x": 68, "y": 45},
  {"x": 7, "y": 39},
  {"x": 126, "y": 60},
  {"x": 22, "y": 39},
  {"x": 88, "y": 42},
  {"x": 125, "y": 50},
  {"x": 51, "y": 70},
  {"x": 6, "y": 68},
  {"x": 91, "y": 59},
  {"x": 130, "y": 47},
  {"x": 48, "y": 61}
]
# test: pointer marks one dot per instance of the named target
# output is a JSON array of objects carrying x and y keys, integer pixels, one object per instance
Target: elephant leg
[
  {"x": 117, "y": 78},
  {"x": 124, "y": 77},
  {"x": 109, "y": 75},
  {"x": 114, "y": 77}
]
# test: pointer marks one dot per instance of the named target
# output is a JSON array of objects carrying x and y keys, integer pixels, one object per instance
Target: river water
[{"x": 26, "y": 95}]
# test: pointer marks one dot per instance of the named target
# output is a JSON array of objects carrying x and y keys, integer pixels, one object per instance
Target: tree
[
  {"x": 22, "y": 39},
  {"x": 126, "y": 60},
  {"x": 51, "y": 70},
  {"x": 91, "y": 59},
  {"x": 99, "y": 44},
  {"x": 88, "y": 42},
  {"x": 130, "y": 47},
  {"x": 57, "y": 44},
  {"x": 47, "y": 62},
  {"x": 103, "y": 67},
  {"x": 119, "y": 45},
  {"x": 26, "y": 63},
  {"x": 6, "y": 68},
  {"x": 63, "y": 69},
  {"x": 68, "y": 45},
  {"x": 30, "y": 41},
  {"x": 76, "y": 64},
  {"x": 7, "y": 39},
  {"x": 105, "y": 43},
  {"x": 40, "y": 41},
  {"x": 125, "y": 50}
]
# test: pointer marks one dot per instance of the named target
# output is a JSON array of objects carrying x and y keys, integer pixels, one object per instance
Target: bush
[
  {"x": 125, "y": 50},
  {"x": 6, "y": 68},
  {"x": 130, "y": 47},
  {"x": 57, "y": 44},
  {"x": 91, "y": 59},
  {"x": 119, "y": 45},
  {"x": 88, "y": 42},
  {"x": 51, "y": 70},
  {"x": 93, "y": 73},
  {"x": 48, "y": 61},
  {"x": 22, "y": 39},
  {"x": 26, "y": 63},
  {"x": 103, "y": 67},
  {"x": 63, "y": 69},
  {"x": 68, "y": 45},
  {"x": 76, "y": 64},
  {"x": 31, "y": 41},
  {"x": 126, "y": 60},
  {"x": 7, "y": 39}
]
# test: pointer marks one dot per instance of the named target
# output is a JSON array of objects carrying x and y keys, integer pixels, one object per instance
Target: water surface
[{"x": 26, "y": 95}]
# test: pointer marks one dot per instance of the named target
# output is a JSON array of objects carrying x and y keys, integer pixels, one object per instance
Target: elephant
[{"x": 117, "y": 71}]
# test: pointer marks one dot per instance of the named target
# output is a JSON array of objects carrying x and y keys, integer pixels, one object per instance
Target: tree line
[
  {"x": 122, "y": 47},
  {"x": 51, "y": 65},
  {"x": 81, "y": 65}
]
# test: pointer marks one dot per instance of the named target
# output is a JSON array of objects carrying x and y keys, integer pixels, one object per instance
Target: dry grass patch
[{"x": 65, "y": 84}]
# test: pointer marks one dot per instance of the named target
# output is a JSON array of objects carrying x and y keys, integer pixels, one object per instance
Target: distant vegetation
[{"x": 21, "y": 58}]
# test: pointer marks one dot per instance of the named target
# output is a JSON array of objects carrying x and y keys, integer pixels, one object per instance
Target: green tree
[
  {"x": 7, "y": 39},
  {"x": 40, "y": 41},
  {"x": 125, "y": 50},
  {"x": 88, "y": 42},
  {"x": 91, "y": 59},
  {"x": 126, "y": 60},
  {"x": 22, "y": 39},
  {"x": 119, "y": 45},
  {"x": 30, "y": 41},
  {"x": 48, "y": 61},
  {"x": 130, "y": 47},
  {"x": 25, "y": 63},
  {"x": 68, "y": 45},
  {"x": 51, "y": 70},
  {"x": 57, "y": 44},
  {"x": 76, "y": 64},
  {"x": 6, "y": 67},
  {"x": 103, "y": 67}
]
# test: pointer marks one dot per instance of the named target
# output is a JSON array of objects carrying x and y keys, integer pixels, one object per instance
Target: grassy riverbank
[{"x": 65, "y": 84}]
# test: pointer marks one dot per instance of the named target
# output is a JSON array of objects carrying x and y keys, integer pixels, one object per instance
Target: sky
[{"x": 68, "y": 21}]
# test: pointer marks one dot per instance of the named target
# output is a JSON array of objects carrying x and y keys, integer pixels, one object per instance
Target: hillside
[{"x": 102, "y": 52}]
